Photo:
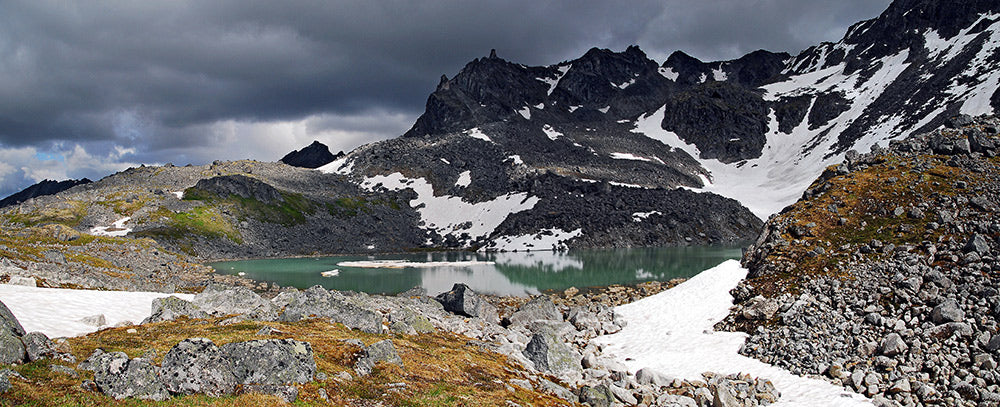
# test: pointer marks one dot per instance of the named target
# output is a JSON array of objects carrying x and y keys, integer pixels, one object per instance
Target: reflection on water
[{"x": 510, "y": 274}]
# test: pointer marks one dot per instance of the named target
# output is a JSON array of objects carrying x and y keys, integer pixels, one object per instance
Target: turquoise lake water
[{"x": 520, "y": 273}]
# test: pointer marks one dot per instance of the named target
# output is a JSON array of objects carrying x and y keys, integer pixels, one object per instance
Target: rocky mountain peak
[
  {"x": 45, "y": 187},
  {"x": 314, "y": 155}
]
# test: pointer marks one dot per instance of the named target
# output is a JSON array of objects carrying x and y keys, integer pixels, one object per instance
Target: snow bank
[
  {"x": 116, "y": 229},
  {"x": 672, "y": 332},
  {"x": 59, "y": 312}
]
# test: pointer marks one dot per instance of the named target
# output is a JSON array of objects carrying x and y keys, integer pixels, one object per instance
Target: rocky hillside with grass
[{"x": 883, "y": 277}]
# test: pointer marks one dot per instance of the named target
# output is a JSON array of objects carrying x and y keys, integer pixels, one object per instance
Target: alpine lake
[{"x": 497, "y": 273}]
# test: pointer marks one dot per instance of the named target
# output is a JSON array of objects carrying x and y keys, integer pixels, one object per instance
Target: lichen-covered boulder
[
  {"x": 273, "y": 361},
  {"x": 38, "y": 346},
  {"x": 552, "y": 355},
  {"x": 236, "y": 300},
  {"x": 540, "y": 308},
  {"x": 120, "y": 377},
  {"x": 171, "y": 308},
  {"x": 197, "y": 365},
  {"x": 317, "y": 302},
  {"x": 11, "y": 348}
]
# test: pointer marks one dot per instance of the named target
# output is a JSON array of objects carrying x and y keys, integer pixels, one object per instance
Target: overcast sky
[{"x": 89, "y": 88}]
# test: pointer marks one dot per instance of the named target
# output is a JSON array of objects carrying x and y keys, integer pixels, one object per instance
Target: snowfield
[
  {"x": 672, "y": 332},
  {"x": 59, "y": 312}
]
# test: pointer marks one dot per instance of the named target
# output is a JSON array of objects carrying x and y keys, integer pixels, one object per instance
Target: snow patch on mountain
[
  {"x": 628, "y": 156},
  {"x": 551, "y": 133},
  {"x": 525, "y": 112},
  {"x": 669, "y": 73},
  {"x": 478, "y": 134},
  {"x": 553, "y": 82},
  {"x": 641, "y": 216},
  {"x": 719, "y": 75},
  {"x": 343, "y": 166},
  {"x": 464, "y": 179},
  {"x": 450, "y": 214}
]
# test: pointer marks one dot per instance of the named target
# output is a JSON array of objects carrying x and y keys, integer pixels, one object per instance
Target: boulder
[
  {"x": 583, "y": 319},
  {"x": 273, "y": 361},
  {"x": 947, "y": 311},
  {"x": 38, "y": 346},
  {"x": 760, "y": 308},
  {"x": 317, "y": 302},
  {"x": 653, "y": 377},
  {"x": 892, "y": 345},
  {"x": 8, "y": 322},
  {"x": 462, "y": 300},
  {"x": 197, "y": 365},
  {"x": 540, "y": 308},
  {"x": 11, "y": 348},
  {"x": 597, "y": 396},
  {"x": 238, "y": 300},
  {"x": 382, "y": 351},
  {"x": 119, "y": 377},
  {"x": 171, "y": 308},
  {"x": 410, "y": 321},
  {"x": 949, "y": 329},
  {"x": 977, "y": 244},
  {"x": 551, "y": 355},
  {"x": 4, "y": 384}
]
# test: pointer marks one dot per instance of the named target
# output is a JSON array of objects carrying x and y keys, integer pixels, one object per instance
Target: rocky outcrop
[
  {"x": 171, "y": 308},
  {"x": 237, "y": 185}
]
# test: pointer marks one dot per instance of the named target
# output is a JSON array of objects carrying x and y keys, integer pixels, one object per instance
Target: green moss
[
  {"x": 200, "y": 221},
  {"x": 292, "y": 210},
  {"x": 69, "y": 214}
]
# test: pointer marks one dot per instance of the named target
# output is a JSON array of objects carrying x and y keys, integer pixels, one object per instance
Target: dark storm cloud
[
  {"x": 180, "y": 81},
  {"x": 181, "y": 63},
  {"x": 727, "y": 29}
]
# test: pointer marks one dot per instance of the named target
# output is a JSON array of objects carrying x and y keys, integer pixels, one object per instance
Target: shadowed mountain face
[
  {"x": 46, "y": 187},
  {"x": 314, "y": 155}
]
